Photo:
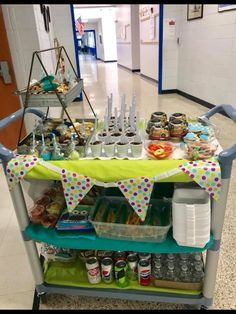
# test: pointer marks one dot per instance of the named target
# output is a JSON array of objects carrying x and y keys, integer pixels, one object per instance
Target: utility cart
[{"x": 35, "y": 233}]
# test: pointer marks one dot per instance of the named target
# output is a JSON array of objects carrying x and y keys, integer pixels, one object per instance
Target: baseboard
[
  {"x": 193, "y": 98},
  {"x": 170, "y": 91},
  {"x": 130, "y": 70},
  {"x": 110, "y": 61},
  {"x": 148, "y": 78}
]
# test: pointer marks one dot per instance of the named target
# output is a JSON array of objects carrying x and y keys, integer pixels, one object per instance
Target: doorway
[
  {"x": 10, "y": 102},
  {"x": 87, "y": 43}
]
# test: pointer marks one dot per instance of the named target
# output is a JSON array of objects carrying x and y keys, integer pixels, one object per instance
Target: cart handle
[
  {"x": 227, "y": 156},
  {"x": 5, "y": 153},
  {"x": 228, "y": 109}
]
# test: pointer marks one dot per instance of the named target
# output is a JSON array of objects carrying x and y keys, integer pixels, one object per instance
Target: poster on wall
[
  {"x": 194, "y": 11},
  {"x": 169, "y": 28},
  {"x": 226, "y": 7}
]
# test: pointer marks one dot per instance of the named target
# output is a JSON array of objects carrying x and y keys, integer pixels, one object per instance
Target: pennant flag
[
  {"x": 138, "y": 192},
  {"x": 206, "y": 173},
  {"x": 18, "y": 167},
  {"x": 75, "y": 186}
]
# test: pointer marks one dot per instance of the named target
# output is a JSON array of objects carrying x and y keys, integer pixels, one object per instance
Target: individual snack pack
[
  {"x": 54, "y": 253},
  {"x": 75, "y": 220},
  {"x": 118, "y": 210},
  {"x": 200, "y": 150},
  {"x": 47, "y": 208}
]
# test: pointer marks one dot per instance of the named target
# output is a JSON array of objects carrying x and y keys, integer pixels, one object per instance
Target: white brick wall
[{"x": 207, "y": 56}]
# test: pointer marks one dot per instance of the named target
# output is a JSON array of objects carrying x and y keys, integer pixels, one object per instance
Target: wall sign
[
  {"x": 194, "y": 11},
  {"x": 226, "y": 7}
]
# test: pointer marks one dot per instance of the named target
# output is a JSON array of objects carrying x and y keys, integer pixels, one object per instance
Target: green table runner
[{"x": 112, "y": 170}]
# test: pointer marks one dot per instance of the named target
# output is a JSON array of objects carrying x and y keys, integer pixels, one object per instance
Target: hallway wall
[
  {"x": 207, "y": 55},
  {"x": 106, "y": 28}
]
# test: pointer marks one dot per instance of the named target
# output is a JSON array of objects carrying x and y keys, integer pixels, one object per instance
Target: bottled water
[
  {"x": 197, "y": 261},
  {"x": 171, "y": 273},
  {"x": 184, "y": 259},
  {"x": 198, "y": 274},
  {"x": 185, "y": 274},
  {"x": 170, "y": 257}
]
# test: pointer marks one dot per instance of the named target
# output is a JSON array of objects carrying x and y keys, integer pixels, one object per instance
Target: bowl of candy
[{"x": 159, "y": 150}]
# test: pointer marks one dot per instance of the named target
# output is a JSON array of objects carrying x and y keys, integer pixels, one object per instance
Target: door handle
[{"x": 4, "y": 72}]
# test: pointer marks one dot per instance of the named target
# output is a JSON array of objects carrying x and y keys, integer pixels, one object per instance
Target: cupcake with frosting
[
  {"x": 204, "y": 138},
  {"x": 190, "y": 138}
]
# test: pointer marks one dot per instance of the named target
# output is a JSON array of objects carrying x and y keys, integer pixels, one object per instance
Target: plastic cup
[
  {"x": 96, "y": 148},
  {"x": 136, "y": 149},
  {"x": 109, "y": 149},
  {"x": 122, "y": 150}
]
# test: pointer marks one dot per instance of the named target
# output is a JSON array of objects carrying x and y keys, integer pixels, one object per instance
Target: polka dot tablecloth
[
  {"x": 206, "y": 173},
  {"x": 75, "y": 187},
  {"x": 18, "y": 167},
  {"x": 138, "y": 192}
]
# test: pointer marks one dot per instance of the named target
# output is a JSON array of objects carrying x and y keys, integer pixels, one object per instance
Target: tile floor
[{"x": 101, "y": 79}]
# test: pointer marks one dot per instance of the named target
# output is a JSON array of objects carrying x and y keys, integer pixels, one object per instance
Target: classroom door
[{"x": 9, "y": 103}]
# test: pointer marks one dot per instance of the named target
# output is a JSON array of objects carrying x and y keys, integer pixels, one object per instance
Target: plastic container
[
  {"x": 153, "y": 229},
  {"x": 191, "y": 217}
]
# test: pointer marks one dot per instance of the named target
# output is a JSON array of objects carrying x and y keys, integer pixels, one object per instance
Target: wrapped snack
[
  {"x": 54, "y": 209},
  {"x": 200, "y": 150},
  {"x": 44, "y": 201},
  {"x": 49, "y": 221},
  {"x": 54, "y": 253},
  {"x": 37, "y": 213}
]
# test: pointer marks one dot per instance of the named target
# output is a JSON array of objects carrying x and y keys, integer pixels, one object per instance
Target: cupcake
[
  {"x": 190, "y": 138},
  {"x": 204, "y": 138}
]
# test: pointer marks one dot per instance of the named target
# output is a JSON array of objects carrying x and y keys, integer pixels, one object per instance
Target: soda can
[
  {"x": 144, "y": 272},
  {"x": 107, "y": 269},
  {"x": 121, "y": 274},
  {"x": 147, "y": 256},
  {"x": 119, "y": 255},
  {"x": 93, "y": 270},
  {"x": 104, "y": 253},
  {"x": 132, "y": 261}
]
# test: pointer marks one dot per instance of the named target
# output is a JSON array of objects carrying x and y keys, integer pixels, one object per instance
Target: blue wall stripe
[{"x": 160, "y": 59}]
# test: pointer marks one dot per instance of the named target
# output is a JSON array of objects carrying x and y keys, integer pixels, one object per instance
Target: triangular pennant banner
[
  {"x": 75, "y": 187},
  {"x": 18, "y": 167},
  {"x": 206, "y": 173},
  {"x": 138, "y": 192}
]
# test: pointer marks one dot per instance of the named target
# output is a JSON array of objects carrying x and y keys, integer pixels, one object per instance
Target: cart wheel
[
  {"x": 43, "y": 298},
  {"x": 192, "y": 307},
  {"x": 39, "y": 298}
]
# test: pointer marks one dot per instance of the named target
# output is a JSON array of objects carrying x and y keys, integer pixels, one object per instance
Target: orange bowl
[{"x": 159, "y": 150}]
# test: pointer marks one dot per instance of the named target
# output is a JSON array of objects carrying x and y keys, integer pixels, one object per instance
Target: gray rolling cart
[{"x": 202, "y": 300}]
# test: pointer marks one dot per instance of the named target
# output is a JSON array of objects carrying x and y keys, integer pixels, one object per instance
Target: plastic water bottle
[
  {"x": 185, "y": 274},
  {"x": 157, "y": 269},
  {"x": 198, "y": 274},
  {"x": 171, "y": 273},
  {"x": 184, "y": 259}
]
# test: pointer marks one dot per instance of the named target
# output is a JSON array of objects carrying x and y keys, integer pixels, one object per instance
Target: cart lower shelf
[
  {"x": 74, "y": 274},
  {"x": 91, "y": 241}
]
